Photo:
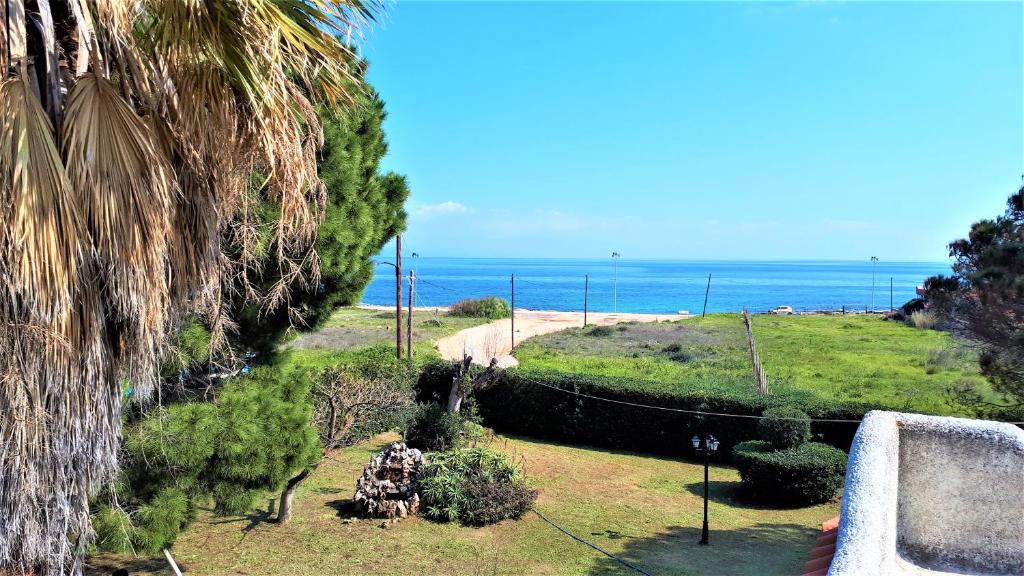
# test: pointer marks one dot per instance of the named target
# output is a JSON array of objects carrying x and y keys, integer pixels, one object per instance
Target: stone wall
[{"x": 932, "y": 495}]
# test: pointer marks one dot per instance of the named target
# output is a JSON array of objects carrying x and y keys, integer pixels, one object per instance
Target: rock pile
[{"x": 390, "y": 483}]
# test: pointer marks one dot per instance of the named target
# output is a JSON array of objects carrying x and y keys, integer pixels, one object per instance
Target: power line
[
  {"x": 594, "y": 546},
  {"x": 696, "y": 412},
  {"x": 429, "y": 283}
]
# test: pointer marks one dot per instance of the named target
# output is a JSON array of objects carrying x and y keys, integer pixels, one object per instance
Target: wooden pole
[
  {"x": 408, "y": 326},
  {"x": 586, "y": 288},
  {"x": 706, "y": 292},
  {"x": 398, "y": 296},
  {"x": 513, "y": 311},
  {"x": 890, "y": 294},
  {"x": 755, "y": 361}
]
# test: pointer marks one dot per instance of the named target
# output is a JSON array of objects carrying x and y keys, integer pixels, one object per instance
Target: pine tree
[
  {"x": 364, "y": 210},
  {"x": 250, "y": 441}
]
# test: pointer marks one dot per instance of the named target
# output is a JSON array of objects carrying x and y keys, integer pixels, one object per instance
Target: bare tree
[
  {"x": 348, "y": 408},
  {"x": 463, "y": 382}
]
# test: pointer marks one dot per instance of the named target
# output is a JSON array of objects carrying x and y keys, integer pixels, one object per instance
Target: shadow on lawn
[
  {"x": 731, "y": 494},
  {"x": 758, "y": 550}
]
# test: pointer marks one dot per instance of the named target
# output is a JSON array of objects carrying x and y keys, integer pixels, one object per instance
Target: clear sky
[{"x": 809, "y": 130}]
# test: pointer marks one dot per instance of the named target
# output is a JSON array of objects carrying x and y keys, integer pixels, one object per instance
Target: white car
[{"x": 782, "y": 310}]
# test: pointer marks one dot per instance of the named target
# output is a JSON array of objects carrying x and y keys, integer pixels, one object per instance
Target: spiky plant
[{"x": 131, "y": 133}]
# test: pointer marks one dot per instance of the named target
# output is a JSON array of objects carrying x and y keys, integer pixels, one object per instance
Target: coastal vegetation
[
  {"x": 490, "y": 307},
  {"x": 835, "y": 359},
  {"x": 834, "y": 368},
  {"x": 984, "y": 299}
]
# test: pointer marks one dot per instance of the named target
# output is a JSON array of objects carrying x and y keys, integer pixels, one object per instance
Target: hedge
[
  {"x": 519, "y": 406},
  {"x": 808, "y": 474}
]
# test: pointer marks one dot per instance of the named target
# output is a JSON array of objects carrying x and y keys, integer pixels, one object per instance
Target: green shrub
[
  {"x": 474, "y": 486},
  {"x": 809, "y": 474},
  {"x": 601, "y": 331},
  {"x": 434, "y": 429},
  {"x": 784, "y": 427},
  {"x": 490, "y": 307},
  {"x": 520, "y": 406}
]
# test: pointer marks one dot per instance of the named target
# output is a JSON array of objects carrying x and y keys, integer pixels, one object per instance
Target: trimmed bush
[
  {"x": 809, "y": 474},
  {"x": 490, "y": 307},
  {"x": 784, "y": 427},
  {"x": 475, "y": 486},
  {"x": 520, "y": 406}
]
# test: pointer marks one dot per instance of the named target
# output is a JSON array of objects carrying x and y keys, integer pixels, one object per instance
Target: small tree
[
  {"x": 251, "y": 439},
  {"x": 352, "y": 403},
  {"x": 984, "y": 298}
]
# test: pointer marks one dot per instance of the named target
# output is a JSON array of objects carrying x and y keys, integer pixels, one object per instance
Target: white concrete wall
[{"x": 931, "y": 495}]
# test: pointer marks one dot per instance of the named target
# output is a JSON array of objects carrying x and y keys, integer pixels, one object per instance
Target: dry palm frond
[
  {"x": 124, "y": 182},
  {"x": 41, "y": 241}
]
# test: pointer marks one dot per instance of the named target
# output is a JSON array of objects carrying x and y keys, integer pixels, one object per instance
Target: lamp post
[
  {"x": 705, "y": 444},
  {"x": 874, "y": 260},
  {"x": 615, "y": 283}
]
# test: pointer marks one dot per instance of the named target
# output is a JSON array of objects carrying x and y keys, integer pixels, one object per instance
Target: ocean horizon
[{"x": 657, "y": 286}]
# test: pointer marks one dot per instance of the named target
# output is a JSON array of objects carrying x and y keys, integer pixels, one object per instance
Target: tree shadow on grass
[
  {"x": 733, "y": 495},
  {"x": 760, "y": 550},
  {"x": 253, "y": 519}
]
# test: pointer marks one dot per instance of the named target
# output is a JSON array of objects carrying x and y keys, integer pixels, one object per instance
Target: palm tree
[{"x": 135, "y": 135}]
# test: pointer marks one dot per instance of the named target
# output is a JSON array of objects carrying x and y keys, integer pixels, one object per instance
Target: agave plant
[{"x": 136, "y": 135}]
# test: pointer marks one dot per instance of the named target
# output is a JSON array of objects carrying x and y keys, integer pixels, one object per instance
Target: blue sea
[{"x": 657, "y": 286}]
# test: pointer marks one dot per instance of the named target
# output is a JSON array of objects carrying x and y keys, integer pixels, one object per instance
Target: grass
[
  {"x": 858, "y": 358},
  {"x": 350, "y": 329},
  {"x": 645, "y": 509}
]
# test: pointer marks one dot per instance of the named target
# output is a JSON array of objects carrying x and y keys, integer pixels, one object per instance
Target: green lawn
[
  {"x": 858, "y": 358},
  {"x": 351, "y": 329},
  {"x": 646, "y": 509}
]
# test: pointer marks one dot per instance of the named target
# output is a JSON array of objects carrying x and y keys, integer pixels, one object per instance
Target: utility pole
[
  {"x": 513, "y": 312},
  {"x": 408, "y": 329},
  {"x": 615, "y": 283},
  {"x": 398, "y": 296},
  {"x": 890, "y": 294},
  {"x": 874, "y": 260},
  {"x": 706, "y": 292},
  {"x": 586, "y": 288}
]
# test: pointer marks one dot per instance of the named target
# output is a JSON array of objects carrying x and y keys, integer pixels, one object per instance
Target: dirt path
[{"x": 494, "y": 340}]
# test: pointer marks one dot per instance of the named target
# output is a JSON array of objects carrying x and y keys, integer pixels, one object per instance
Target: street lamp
[
  {"x": 874, "y": 260},
  {"x": 615, "y": 283},
  {"x": 398, "y": 301},
  {"x": 705, "y": 444}
]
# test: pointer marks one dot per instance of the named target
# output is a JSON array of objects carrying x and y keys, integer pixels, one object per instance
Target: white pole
[
  {"x": 174, "y": 566},
  {"x": 615, "y": 283}
]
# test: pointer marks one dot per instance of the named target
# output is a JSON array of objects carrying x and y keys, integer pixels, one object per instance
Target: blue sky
[{"x": 810, "y": 130}]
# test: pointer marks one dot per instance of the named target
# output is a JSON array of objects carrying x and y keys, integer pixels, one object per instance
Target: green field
[
  {"x": 836, "y": 358},
  {"x": 646, "y": 509},
  {"x": 350, "y": 329}
]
